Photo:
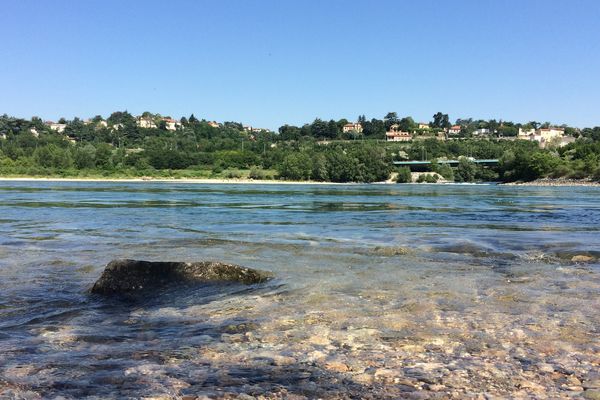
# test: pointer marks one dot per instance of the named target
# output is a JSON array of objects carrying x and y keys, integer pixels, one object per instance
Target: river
[{"x": 380, "y": 291}]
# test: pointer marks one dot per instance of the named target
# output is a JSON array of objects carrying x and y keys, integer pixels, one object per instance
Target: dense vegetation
[{"x": 318, "y": 151}]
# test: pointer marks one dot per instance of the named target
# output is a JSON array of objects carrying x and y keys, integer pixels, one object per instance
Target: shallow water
[{"x": 380, "y": 291}]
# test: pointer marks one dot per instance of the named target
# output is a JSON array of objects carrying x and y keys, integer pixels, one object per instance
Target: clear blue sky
[{"x": 280, "y": 61}]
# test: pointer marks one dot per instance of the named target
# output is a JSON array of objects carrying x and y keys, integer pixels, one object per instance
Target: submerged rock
[
  {"x": 132, "y": 276},
  {"x": 582, "y": 258}
]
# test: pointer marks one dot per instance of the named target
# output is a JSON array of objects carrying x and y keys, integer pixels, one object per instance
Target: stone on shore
[{"x": 133, "y": 276}]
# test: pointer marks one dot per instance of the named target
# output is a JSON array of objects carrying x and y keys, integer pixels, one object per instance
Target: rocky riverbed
[{"x": 380, "y": 292}]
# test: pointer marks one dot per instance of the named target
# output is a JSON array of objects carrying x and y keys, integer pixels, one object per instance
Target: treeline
[
  {"x": 118, "y": 146},
  {"x": 370, "y": 129},
  {"x": 440, "y": 122}
]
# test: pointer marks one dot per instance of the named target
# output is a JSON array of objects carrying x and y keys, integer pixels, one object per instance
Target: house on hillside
[
  {"x": 396, "y": 135},
  {"x": 423, "y": 125},
  {"x": 525, "y": 134},
  {"x": 352, "y": 127},
  {"x": 481, "y": 132},
  {"x": 171, "y": 124},
  {"x": 56, "y": 127},
  {"x": 543, "y": 136},
  {"x": 145, "y": 122},
  {"x": 550, "y": 133},
  {"x": 454, "y": 130},
  {"x": 214, "y": 124},
  {"x": 252, "y": 129}
]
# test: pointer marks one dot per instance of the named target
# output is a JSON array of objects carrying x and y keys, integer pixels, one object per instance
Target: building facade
[{"x": 352, "y": 127}]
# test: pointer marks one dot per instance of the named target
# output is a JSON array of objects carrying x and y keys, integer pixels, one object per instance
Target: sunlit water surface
[{"x": 380, "y": 290}]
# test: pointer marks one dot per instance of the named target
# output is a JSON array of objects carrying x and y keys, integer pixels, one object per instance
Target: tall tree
[
  {"x": 390, "y": 119},
  {"x": 440, "y": 120}
]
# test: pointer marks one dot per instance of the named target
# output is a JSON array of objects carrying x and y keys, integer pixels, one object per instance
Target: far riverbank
[
  {"x": 171, "y": 180},
  {"x": 248, "y": 181}
]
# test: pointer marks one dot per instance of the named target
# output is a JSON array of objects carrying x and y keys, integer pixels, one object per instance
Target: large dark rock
[{"x": 132, "y": 276}]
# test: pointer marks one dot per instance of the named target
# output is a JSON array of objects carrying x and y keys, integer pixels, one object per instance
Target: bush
[
  {"x": 404, "y": 175},
  {"x": 256, "y": 173},
  {"x": 596, "y": 175},
  {"x": 433, "y": 178},
  {"x": 233, "y": 174},
  {"x": 427, "y": 178}
]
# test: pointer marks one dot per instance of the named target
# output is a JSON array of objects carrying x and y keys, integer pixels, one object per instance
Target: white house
[
  {"x": 396, "y": 135},
  {"x": 145, "y": 122},
  {"x": 481, "y": 132},
  {"x": 454, "y": 130},
  {"x": 525, "y": 133},
  {"x": 544, "y": 136},
  {"x": 56, "y": 127},
  {"x": 171, "y": 124}
]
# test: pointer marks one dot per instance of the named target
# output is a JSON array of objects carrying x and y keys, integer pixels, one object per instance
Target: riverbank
[
  {"x": 556, "y": 182},
  {"x": 248, "y": 181},
  {"x": 170, "y": 180}
]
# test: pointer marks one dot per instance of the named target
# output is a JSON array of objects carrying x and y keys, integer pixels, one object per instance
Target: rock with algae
[{"x": 133, "y": 276}]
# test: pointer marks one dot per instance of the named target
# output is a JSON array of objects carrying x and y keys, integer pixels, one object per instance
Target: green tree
[
  {"x": 465, "y": 171},
  {"x": 296, "y": 166},
  {"x": 441, "y": 121},
  {"x": 390, "y": 119},
  {"x": 85, "y": 157}
]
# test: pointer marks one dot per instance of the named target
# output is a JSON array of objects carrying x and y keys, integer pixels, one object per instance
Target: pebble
[
  {"x": 435, "y": 387},
  {"x": 591, "y": 394},
  {"x": 364, "y": 378},
  {"x": 545, "y": 367},
  {"x": 592, "y": 382},
  {"x": 319, "y": 340},
  {"x": 336, "y": 366}
]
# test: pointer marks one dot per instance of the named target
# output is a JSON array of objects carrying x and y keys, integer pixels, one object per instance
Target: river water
[{"x": 380, "y": 291}]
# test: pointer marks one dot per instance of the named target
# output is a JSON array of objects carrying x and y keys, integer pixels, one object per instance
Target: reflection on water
[{"x": 381, "y": 291}]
